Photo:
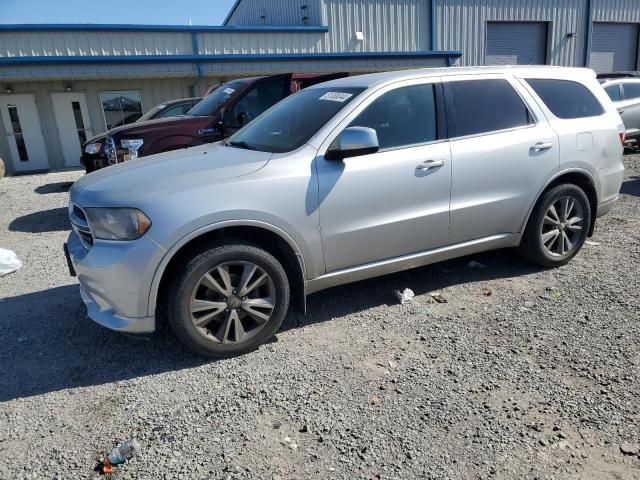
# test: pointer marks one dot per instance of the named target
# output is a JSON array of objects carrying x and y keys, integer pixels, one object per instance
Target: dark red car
[{"x": 217, "y": 116}]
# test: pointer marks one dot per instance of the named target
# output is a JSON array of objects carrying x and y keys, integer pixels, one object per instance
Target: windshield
[
  {"x": 151, "y": 113},
  {"x": 216, "y": 99},
  {"x": 293, "y": 121}
]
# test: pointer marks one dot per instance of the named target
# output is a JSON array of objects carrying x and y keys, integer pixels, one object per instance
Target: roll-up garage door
[
  {"x": 614, "y": 47},
  {"x": 516, "y": 43}
]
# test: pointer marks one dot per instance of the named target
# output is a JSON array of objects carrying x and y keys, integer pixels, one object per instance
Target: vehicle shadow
[
  {"x": 56, "y": 187},
  {"x": 347, "y": 299},
  {"x": 631, "y": 187},
  {"x": 48, "y": 343},
  {"x": 54, "y": 220}
]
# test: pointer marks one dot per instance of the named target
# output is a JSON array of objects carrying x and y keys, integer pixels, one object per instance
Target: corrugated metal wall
[
  {"x": 461, "y": 25},
  {"x": 268, "y": 42},
  {"x": 627, "y": 11},
  {"x": 276, "y": 13},
  {"x": 22, "y": 44},
  {"x": 388, "y": 25}
]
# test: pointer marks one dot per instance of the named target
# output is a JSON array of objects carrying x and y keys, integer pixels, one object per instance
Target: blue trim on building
[
  {"x": 588, "y": 33},
  {"x": 196, "y": 51},
  {"x": 432, "y": 45},
  {"x": 231, "y": 12},
  {"x": 91, "y": 27},
  {"x": 195, "y": 59}
]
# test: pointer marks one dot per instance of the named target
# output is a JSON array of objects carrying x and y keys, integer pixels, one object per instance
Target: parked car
[
  {"x": 219, "y": 115},
  {"x": 93, "y": 156},
  {"x": 343, "y": 181},
  {"x": 624, "y": 90}
]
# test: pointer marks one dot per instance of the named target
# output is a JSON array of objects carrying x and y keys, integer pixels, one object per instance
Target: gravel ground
[{"x": 539, "y": 380}]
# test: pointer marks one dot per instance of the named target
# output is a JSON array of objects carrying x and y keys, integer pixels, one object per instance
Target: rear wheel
[
  {"x": 558, "y": 226},
  {"x": 229, "y": 299}
]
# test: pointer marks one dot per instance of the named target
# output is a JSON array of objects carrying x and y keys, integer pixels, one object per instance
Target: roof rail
[{"x": 603, "y": 76}]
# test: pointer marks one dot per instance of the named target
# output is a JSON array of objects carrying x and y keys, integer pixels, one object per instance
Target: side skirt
[{"x": 414, "y": 260}]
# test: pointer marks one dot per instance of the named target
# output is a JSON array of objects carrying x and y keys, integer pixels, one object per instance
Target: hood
[
  {"x": 135, "y": 182},
  {"x": 159, "y": 124}
]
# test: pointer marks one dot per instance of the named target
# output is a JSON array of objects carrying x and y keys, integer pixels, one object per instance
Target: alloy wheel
[
  {"x": 562, "y": 226},
  {"x": 232, "y": 302}
]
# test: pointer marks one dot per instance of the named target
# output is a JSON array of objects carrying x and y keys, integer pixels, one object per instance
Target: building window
[
  {"x": 17, "y": 133},
  {"x": 120, "y": 108}
]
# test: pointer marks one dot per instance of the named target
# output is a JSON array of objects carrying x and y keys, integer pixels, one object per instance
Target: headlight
[
  {"x": 117, "y": 223},
  {"x": 92, "y": 148},
  {"x": 133, "y": 145}
]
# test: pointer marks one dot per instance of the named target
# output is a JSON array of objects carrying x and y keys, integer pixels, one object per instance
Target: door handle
[
  {"x": 9, "y": 134},
  {"x": 541, "y": 146},
  {"x": 620, "y": 111},
  {"x": 429, "y": 164}
]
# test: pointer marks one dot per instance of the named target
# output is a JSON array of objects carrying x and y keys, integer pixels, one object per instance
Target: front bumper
[{"x": 115, "y": 279}]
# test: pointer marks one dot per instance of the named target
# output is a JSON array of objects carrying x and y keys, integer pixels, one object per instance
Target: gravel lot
[{"x": 539, "y": 380}]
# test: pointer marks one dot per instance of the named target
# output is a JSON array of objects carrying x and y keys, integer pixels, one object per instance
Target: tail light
[{"x": 623, "y": 133}]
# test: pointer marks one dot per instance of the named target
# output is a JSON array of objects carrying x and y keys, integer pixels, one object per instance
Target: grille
[
  {"x": 110, "y": 151},
  {"x": 80, "y": 225}
]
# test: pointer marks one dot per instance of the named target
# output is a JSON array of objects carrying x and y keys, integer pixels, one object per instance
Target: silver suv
[
  {"x": 624, "y": 91},
  {"x": 347, "y": 180}
]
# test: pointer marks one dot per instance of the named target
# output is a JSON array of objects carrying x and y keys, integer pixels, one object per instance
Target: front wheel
[
  {"x": 558, "y": 226},
  {"x": 229, "y": 299}
]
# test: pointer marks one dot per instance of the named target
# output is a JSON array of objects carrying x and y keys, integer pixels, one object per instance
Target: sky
[{"x": 146, "y": 12}]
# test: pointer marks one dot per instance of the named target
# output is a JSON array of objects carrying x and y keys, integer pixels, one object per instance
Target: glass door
[
  {"x": 23, "y": 130},
  {"x": 74, "y": 124}
]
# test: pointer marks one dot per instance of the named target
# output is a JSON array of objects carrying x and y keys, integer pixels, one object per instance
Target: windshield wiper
[{"x": 244, "y": 145}]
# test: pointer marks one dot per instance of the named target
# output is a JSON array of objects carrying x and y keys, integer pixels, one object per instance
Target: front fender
[{"x": 171, "y": 252}]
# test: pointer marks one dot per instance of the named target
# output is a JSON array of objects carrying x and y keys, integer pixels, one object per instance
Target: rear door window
[
  {"x": 566, "y": 99},
  {"x": 614, "y": 92},
  {"x": 404, "y": 116},
  {"x": 631, "y": 91},
  {"x": 482, "y": 106}
]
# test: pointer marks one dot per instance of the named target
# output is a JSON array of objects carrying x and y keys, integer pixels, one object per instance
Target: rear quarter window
[
  {"x": 614, "y": 92},
  {"x": 567, "y": 99},
  {"x": 631, "y": 91}
]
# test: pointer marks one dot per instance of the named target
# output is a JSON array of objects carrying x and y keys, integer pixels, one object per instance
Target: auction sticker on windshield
[{"x": 336, "y": 96}]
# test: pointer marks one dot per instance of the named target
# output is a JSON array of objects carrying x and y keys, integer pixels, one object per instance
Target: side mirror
[{"x": 354, "y": 142}]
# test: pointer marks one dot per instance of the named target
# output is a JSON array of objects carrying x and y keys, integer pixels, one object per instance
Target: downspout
[
  {"x": 589, "y": 33},
  {"x": 432, "y": 46},
  {"x": 196, "y": 51}
]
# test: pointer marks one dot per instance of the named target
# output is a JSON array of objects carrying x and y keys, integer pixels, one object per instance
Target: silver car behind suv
[
  {"x": 347, "y": 180},
  {"x": 624, "y": 91}
]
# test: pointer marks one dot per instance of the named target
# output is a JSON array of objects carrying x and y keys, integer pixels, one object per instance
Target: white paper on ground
[
  {"x": 405, "y": 296},
  {"x": 9, "y": 262}
]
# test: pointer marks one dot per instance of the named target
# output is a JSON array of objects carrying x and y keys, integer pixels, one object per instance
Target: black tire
[
  {"x": 205, "y": 260},
  {"x": 532, "y": 247}
]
